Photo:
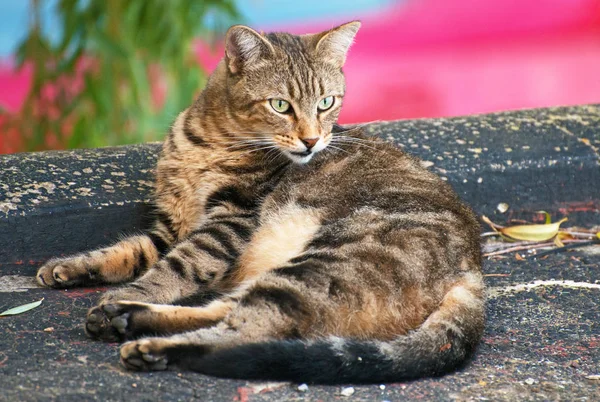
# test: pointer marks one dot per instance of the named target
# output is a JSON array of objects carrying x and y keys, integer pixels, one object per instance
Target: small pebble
[
  {"x": 382, "y": 387},
  {"x": 302, "y": 387},
  {"x": 134, "y": 385},
  {"x": 502, "y": 207},
  {"x": 530, "y": 381},
  {"x": 49, "y": 329},
  {"x": 347, "y": 391}
]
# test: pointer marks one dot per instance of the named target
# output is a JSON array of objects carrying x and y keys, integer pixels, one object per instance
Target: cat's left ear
[{"x": 332, "y": 46}]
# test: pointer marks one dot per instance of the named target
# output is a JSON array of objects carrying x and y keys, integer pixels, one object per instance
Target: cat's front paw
[
  {"x": 64, "y": 273},
  {"x": 145, "y": 354}
]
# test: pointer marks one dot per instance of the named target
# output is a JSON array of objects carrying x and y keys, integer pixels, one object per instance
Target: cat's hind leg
[
  {"x": 128, "y": 319},
  {"x": 265, "y": 312}
]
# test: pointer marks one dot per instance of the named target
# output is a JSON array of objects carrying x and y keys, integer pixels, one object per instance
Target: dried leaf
[
  {"x": 21, "y": 309},
  {"x": 533, "y": 232}
]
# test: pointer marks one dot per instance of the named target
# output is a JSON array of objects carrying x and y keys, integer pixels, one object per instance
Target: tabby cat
[{"x": 322, "y": 255}]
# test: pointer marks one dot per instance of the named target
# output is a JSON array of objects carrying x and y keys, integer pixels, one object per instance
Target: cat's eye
[
  {"x": 325, "y": 103},
  {"x": 280, "y": 106}
]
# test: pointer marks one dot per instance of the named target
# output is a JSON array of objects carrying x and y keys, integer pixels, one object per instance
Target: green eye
[
  {"x": 325, "y": 103},
  {"x": 279, "y": 105}
]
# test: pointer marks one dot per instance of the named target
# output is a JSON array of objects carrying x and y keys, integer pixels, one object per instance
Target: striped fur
[{"x": 344, "y": 262}]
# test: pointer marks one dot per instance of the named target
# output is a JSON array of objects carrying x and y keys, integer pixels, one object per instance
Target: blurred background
[{"x": 88, "y": 73}]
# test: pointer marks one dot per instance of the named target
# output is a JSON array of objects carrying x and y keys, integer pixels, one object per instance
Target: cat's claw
[
  {"x": 99, "y": 326},
  {"x": 144, "y": 355},
  {"x": 113, "y": 321}
]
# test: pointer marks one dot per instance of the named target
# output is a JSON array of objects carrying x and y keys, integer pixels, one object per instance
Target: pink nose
[{"x": 309, "y": 142}]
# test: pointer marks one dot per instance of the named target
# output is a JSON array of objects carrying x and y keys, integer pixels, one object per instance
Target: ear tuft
[
  {"x": 245, "y": 47},
  {"x": 333, "y": 45}
]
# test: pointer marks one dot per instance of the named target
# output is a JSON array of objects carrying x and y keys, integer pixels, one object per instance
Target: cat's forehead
[
  {"x": 289, "y": 43},
  {"x": 297, "y": 50},
  {"x": 296, "y": 69}
]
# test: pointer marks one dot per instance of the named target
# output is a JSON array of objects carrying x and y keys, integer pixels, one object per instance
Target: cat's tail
[{"x": 443, "y": 343}]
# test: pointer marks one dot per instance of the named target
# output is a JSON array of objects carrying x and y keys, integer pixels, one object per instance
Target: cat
[{"x": 323, "y": 255}]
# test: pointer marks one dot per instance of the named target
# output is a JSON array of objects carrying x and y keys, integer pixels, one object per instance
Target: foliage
[{"x": 101, "y": 82}]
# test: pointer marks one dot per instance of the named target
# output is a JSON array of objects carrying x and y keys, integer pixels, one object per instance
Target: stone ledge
[{"x": 54, "y": 203}]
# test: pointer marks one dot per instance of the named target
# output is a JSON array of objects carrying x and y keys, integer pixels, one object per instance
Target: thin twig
[
  {"x": 564, "y": 248},
  {"x": 518, "y": 248},
  {"x": 491, "y": 247},
  {"x": 530, "y": 246},
  {"x": 579, "y": 233}
]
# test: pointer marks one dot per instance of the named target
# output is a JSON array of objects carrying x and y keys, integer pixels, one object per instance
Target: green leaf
[
  {"x": 78, "y": 136},
  {"x": 140, "y": 82},
  {"x": 108, "y": 46},
  {"x": 21, "y": 309}
]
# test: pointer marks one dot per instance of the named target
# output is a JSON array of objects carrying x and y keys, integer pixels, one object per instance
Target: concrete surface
[{"x": 542, "y": 341}]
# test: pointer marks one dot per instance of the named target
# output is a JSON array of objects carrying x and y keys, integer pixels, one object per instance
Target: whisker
[
  {"x": 349, "y": 137},
  {"x": 340, "y": 141},
  {"x": 256, "y": 137},
  {"x": 261, "y": 149},
  {"x": 358, "y": 126},
  {"x": 276, "y": 153},
  {"x": 244, "y": 140},
  {"x": 242, "y": 146},
  {"x": 338, "y": 148}
]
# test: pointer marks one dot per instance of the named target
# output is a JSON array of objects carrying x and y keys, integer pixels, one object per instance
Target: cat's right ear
[
  {"x": 333, "y": 45},
  {"x": 245, "y": 47}
]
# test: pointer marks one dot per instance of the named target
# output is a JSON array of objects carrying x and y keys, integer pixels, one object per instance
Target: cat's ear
[
  {"x": 333, "y": 45},
  {"x": 245, "y": 47}
]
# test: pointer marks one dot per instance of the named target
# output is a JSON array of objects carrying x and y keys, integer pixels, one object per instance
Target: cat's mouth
[
  {"x": 300, "y": 157},
  {"x": 311, "y": 148},
  {"x": 303, "y": 153}
]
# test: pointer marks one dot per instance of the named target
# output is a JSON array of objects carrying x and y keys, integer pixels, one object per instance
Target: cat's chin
[{"x": 299, "y": 158}]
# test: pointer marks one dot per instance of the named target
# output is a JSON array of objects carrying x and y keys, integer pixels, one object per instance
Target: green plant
[{"x": 97, "y": 85}]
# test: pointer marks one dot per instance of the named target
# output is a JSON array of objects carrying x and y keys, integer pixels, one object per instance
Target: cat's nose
[{"x": 309, "y": 142}]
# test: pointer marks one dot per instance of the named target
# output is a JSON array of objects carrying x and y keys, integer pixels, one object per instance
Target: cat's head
[{"x": 285, "y": 90}]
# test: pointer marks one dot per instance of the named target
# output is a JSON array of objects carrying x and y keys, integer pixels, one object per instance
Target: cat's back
[{"x": 363, "y": 171}]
